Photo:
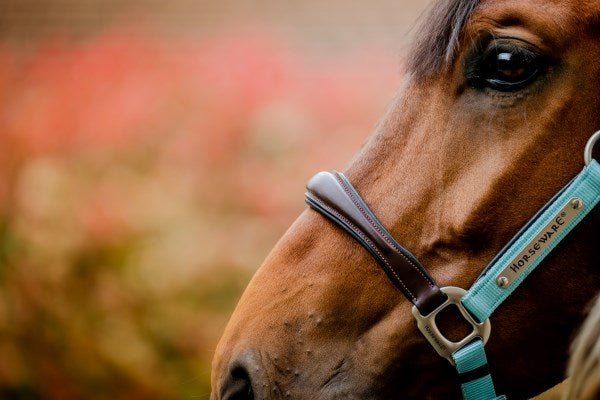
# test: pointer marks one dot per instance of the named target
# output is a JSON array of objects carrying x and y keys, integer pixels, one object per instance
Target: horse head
[{"x": 490, "y": 121}]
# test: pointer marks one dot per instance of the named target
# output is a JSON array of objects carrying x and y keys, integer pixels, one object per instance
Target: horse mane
[
  {"x": 437, "y": 38},
  {"x": 584, "y": 364}
]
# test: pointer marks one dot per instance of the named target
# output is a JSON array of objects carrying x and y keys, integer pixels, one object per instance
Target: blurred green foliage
[{"x": 142, "y": 182}]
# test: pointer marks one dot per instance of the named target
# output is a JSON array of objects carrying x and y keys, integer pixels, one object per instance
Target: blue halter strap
[{"x": 516, "y": 261}]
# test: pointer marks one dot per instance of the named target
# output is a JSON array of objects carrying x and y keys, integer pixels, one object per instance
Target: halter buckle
[{"x": 444, "y": 346}]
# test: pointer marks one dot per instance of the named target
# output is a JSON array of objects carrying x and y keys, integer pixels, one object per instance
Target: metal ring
[
  {"x": 444, "y": 346},
  {"x": 587, "y": 153}
]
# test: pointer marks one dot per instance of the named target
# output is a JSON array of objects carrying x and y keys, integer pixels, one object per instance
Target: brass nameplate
[{"x": 545, "y": 237}]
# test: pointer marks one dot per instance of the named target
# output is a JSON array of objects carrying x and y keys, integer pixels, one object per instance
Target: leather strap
[{"x": 331, "y": 194}]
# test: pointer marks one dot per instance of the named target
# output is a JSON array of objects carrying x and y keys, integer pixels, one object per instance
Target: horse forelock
[{"x": 437, "y": 38}]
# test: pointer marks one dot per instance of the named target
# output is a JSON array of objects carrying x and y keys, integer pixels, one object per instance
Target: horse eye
[{"x": 506, "y": 68}]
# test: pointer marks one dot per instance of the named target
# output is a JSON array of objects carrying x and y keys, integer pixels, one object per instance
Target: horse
[{"x": 498, "y": 99}]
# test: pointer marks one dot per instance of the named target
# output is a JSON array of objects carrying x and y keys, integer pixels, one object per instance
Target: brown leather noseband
[{"x": 331, "y": 194}]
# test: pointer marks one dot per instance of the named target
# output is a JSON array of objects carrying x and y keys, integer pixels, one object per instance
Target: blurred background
[{"x": 151, "y": 153}]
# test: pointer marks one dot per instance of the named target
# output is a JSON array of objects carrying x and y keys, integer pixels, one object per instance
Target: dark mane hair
[{"x": 437, "y": 38}]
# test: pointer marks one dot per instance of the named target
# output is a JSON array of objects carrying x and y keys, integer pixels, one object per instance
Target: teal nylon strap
[
  {"x": 485, "y": 295},
  {"x": 471, "y": 358}
]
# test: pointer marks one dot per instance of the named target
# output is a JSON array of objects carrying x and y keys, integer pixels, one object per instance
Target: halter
[{"x": 331, "y": 194}]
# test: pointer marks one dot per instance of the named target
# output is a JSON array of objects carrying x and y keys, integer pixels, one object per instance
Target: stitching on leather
[
  {"x": 368, "y": 241},
  {"x": 378, "y": 229}
]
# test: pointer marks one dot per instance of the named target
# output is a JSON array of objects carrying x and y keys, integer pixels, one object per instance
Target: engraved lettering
[
  {"x": 434, "y": 338},
  {"x": 532, "y": 251},
  {"x": 519, "y": 264}
]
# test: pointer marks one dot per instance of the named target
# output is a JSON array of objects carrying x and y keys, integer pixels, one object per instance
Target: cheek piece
[{"x": 332, "y": 195}]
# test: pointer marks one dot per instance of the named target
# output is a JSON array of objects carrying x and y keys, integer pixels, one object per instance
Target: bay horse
[{"x": 498, "y": 100}]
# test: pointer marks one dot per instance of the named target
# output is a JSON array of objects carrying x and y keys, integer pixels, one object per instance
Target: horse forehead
[{"x": 558, "y": 16}]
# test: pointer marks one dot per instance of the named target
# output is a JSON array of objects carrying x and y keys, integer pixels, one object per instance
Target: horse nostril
[{"x": 238, "y": 385}]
